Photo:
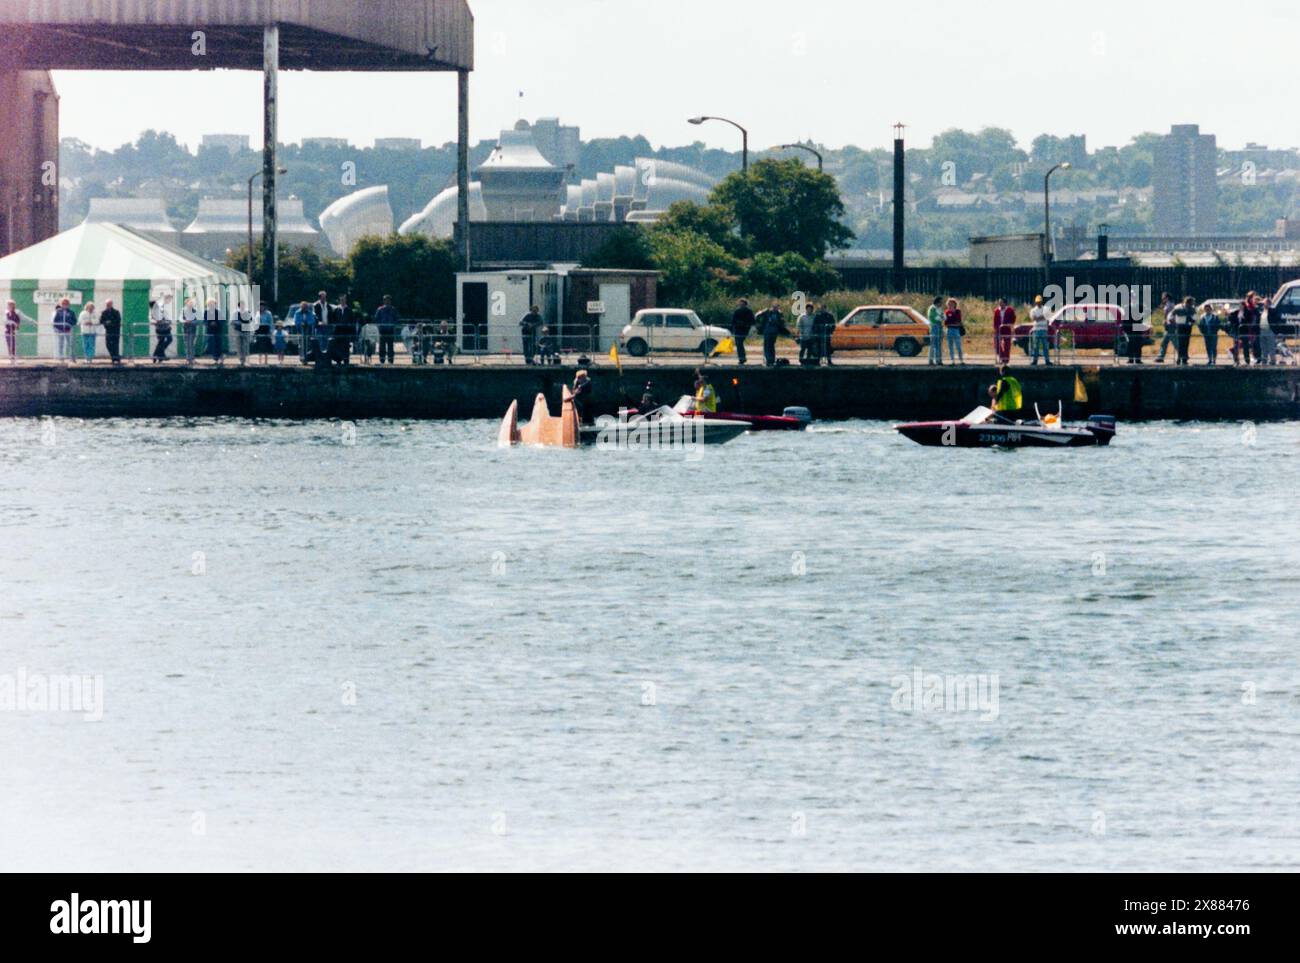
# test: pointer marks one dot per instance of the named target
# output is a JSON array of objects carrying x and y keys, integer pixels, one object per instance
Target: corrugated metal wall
[{"x": 411, "y": 27}]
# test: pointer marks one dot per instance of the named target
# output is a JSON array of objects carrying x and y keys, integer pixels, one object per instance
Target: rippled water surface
[{"x": 406, "y": 649}]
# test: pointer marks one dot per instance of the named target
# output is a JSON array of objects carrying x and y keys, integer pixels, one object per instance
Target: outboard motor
[
  {"x": 1104, "y": 427},
  {"x": 802, "y": 414}
]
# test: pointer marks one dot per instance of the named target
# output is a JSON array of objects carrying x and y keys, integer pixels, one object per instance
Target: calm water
[{"x": 406, "y": 649}]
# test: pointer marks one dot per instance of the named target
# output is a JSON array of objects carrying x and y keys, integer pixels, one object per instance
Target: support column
[
  {"x": 900, "y": 209},
  {"x": 270, "y": 134},
  {"x": 462, "y": 168}
]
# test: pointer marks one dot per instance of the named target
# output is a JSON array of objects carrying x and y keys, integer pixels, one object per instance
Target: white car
[{"x": 671, "y": 329}]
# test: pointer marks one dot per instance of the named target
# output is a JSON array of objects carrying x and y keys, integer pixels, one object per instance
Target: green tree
[
  {"x": 692, "y": 266},
  {"x": 303, "y": 272},
  {"x": 628, "y": 248},
  {"x": 784, "y": 205},
  {"x": 714, "y": 221},
  {"x": 419, "y": 273}
]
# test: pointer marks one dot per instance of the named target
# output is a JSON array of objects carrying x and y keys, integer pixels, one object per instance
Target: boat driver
[
  {"x": 706, "y": 397},
  {"x": 1008, "y": 396}
]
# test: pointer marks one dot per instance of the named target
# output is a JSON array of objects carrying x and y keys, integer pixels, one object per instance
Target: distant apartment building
[
  {"x": 560, "y": 145},
  {"x": 398, "y": 143},
  {"x": 1263, "y": 158},
  {"x": 231, "y": 143},
  {"x": 326, "y": 143},
  {"x": 1186, "y": 183}
]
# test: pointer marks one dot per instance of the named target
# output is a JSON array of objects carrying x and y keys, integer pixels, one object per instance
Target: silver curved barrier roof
[
  {"x": 363, "y": 214},
  {"x": 438, "y": 219}
]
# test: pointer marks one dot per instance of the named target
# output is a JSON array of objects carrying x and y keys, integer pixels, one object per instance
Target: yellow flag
[
  {"x": 1080, "y": 389},
  {"x": 725, "y": 346},
  {"x": 613, "y": 356}
]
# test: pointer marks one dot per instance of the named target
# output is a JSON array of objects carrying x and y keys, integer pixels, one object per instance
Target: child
[
  {"x": 546, "y": 348},
  {"x": 281, "y": 341}
]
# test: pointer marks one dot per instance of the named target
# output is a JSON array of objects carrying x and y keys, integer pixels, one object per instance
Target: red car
[{"x": 1087, "y": 326}]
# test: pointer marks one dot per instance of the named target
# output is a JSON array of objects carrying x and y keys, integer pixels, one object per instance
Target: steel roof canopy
[{"x": 356, "y": 35}]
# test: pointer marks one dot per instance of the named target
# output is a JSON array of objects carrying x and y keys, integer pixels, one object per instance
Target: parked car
[
  {"x": 671, "y": 329},
  {"x": 1284, "y": 316},
  {"x": 882, "y": 327},
  {"x": 1087, "y": 327}
]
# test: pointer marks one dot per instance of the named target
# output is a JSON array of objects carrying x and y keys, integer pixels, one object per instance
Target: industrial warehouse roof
[
  {"x": 141, "y": 214},
  {"x": 224, "y": 216},
  {"x": 158, "y": 34},
  {"x": 109, "y": 252}
]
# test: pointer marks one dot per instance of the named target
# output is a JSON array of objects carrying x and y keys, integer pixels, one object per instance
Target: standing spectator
[
  {"x": 824, "y": 327},
  {"x": 387, "y": 320},
  {"x": 956, "y": 328},
  {"x": 773, "y": 326},
  {"x": 1184, "y": 318},
  {"x": 447, "y": 340},
  {"x": 13, "y": 321},
  {"x": 1248, "y": 329},
  {"x": 530, "y": 326},
  {"x": 1167, "y": 311},
  {"x": 111, "y": 319},
  {"x": 742, "y": 322},
  {"x": 1134, "y": 330},
  {"x": 935, "y": 317},
  {"x": 212, "y": 324},
  {"x": 1004, "y": 328},
  {"x": 160, "y": 316},
  {"x": 322, "y": 313},
  {"x": 343, "y": 332},
  {"x": 306, "y": 331},
  {"x": 369, "y": 341},
  {"x": 89, "y": 323},
  {"x": 1040, "y": 335},
  {"x": 64, "y": 322},
  {"x": 804, "y": 328},
  {"x": 265, "y": 331},
  {"x": 1210, "y": 332},
  {"x": 280, "y": 341},
  {"x": 190, "y": 329},
  {"x": 1267, "y": 336},
  {"x": 244, "y": 328}
]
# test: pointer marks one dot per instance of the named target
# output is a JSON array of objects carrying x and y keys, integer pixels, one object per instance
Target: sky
[{"x": 837, "y": 72}]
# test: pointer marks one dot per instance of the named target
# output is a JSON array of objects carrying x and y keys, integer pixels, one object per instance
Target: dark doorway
[{"x": 474, "y": 331}]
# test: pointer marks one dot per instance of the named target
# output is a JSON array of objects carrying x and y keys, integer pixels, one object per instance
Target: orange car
[{"x": 883, "y": 327}]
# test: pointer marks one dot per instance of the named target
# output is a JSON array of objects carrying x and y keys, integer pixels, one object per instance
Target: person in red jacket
[{"x": 1004, "y": 326}]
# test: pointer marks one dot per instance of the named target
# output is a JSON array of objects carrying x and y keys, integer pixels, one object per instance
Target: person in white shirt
[
  {"x": 1041, "y": 335},
  {"x": 190, "y": 329},
  {"x": 160, "y": 314},
  {"x": 89, "y": 324},
  {"x": 245, "y": 327}
]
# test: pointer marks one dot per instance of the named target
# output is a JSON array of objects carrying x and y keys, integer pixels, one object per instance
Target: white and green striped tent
[{"x": 96, "y": 262}]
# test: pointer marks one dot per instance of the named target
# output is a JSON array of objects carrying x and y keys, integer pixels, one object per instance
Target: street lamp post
[
  {"x": 815, "y": 153},
  {"x": 744, "y": 135},
  {"x": 1047, "y": 218},
  {"x": 251, "y": 181}
]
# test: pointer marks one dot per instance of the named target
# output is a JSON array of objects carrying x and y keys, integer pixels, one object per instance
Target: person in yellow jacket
[
  {"x": 706, "y": 397},
  {"x": 1008, "y": 396}
]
